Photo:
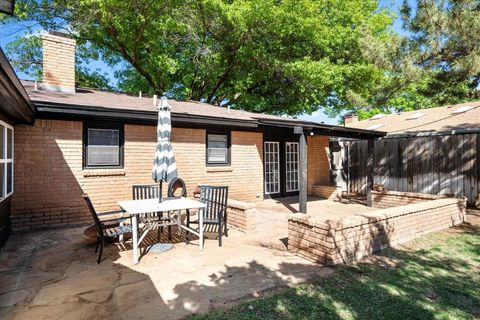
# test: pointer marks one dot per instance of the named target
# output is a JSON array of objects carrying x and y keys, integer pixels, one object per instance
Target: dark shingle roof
[{"x": 115, "y": 100}]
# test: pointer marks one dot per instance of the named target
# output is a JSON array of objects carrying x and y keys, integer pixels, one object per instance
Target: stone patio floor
[{"x": 53, "y": 274}]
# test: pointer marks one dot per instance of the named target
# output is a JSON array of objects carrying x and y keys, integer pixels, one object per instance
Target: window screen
[
  {"x": 217, "y": 149},
  {"x": 103, "y": 147}
]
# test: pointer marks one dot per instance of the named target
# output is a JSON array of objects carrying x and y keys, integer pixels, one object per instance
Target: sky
[{"x": 11, "y": 31}]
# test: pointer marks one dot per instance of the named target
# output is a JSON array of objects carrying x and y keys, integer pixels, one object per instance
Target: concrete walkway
[{"x": 53, "y": 274}]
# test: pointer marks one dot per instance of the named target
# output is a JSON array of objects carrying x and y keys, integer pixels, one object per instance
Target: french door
[
  {"x": 272, "y": 167},
  {"x": 291, "y": 166},
  {"x": 281, "y": 160}
]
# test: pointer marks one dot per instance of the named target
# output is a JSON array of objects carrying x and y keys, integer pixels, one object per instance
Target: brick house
[{"x": 85, "y": 140}]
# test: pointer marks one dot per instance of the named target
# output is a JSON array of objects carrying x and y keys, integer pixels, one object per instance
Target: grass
[{"x": 437, "y": 277}]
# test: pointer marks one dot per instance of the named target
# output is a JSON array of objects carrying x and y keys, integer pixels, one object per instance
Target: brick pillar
[{"x": 58, "y": 62}]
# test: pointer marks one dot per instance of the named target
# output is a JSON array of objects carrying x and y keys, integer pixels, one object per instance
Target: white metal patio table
[{"x": 137, "y": 207}]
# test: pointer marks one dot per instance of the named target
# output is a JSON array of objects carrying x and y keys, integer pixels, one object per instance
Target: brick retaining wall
[
  {"x": 356, "y": 236},
  {"x": 241, "y": 215},
  {"x": 326, "y": 192},
  {"x": 389, "y": 199}
]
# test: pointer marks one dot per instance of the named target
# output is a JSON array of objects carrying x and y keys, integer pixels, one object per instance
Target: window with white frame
[{"x": 6, "y": 160}]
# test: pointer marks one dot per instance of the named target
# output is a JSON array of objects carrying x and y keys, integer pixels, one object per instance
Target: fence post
[{"x": 370, "y": 164}]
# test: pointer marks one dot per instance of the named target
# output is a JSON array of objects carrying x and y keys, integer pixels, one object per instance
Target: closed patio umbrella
[{"x": 164, "y": 167}]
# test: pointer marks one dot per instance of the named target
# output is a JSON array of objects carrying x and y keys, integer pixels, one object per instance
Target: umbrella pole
[{"x": 160, "y": 196}]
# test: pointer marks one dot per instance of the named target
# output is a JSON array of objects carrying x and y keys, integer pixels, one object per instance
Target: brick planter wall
[
  {"x": 356, "y": 236},
  {"x": 389, "y": 199},
  {"x": 241, "y": 215},
  {"x": 326, "y": 192}
]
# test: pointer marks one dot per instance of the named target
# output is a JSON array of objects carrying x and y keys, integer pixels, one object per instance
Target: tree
[
  {"x": 445, "y": 40},
  {"x": 280, "y": 57}
]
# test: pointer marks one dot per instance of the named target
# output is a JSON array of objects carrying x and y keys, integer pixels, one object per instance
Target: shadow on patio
[
  {"x": 47, "y": 275},
  {"x": 53, "y": 275}
]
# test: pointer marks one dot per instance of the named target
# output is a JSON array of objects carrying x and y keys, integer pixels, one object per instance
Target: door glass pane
[
  {"x": 9, "y": 177},
  {"x": 272, "y": 172},
  {"x": 9, "y": 143},
  {"x": 2, "y": 179},
  {"x": 291, "y": 166},
  {"x": 2, "y": 151}
]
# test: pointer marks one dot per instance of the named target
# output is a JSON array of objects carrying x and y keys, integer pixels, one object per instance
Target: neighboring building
[
  {"x": 85, "y": 140},
  {"x": 464, "y": 117},
  {"x": 435, "y": 151}
]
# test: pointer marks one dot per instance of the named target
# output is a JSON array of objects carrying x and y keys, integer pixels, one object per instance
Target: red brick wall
[
  {"x": 354, "y": 237},
  {"x": 49, "y": 178},
  {"x": 327, "y": 192},
  {"x": 58, "y": 63},
  {"x": 318, "y": 162},
  {"x": 388, "y": 199}
]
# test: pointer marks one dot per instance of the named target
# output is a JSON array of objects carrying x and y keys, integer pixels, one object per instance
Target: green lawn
[{"x": 437, "y": 278}]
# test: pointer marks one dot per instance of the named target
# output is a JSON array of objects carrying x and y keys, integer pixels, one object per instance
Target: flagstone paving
[{"x": 53, "y": 274}]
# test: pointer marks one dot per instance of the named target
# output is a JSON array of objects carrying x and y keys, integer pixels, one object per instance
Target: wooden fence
[{"x": 436, "y": 164}]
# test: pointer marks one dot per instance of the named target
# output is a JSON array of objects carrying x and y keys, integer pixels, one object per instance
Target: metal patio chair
[
  {"x": 215, "y": 212},
  {"x": 106, "y": 228},
  {"x": 152, "y": 220}
]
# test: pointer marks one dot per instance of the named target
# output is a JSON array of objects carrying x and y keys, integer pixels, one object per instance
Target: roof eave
[
  {"x": 15, "y": 102},
  {"x": 51, "y": 109},
  {"x": 326, "y": 129}
]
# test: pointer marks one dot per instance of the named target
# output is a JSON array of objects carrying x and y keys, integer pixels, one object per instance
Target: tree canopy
[{"x": 280, "y": 57}]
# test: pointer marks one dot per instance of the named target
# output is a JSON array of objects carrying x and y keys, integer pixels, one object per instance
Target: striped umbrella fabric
[{"x": 164, "y": 166}]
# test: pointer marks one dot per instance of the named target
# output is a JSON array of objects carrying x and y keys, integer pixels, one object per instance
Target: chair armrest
[{"x": 110, "y": 212}]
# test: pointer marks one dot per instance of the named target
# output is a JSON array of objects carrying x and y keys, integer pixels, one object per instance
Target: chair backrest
[
  {"x": 93, "y": 213},
  {"x": 174, "y": 185},
  {"x": 215, "y": 199},
  {"x": 145, "y": 191}
]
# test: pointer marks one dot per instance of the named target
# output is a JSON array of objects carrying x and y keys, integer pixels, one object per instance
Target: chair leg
[
  {"x": 98, "y": 243},
  {"x": 220, "y": 231},
  {"x": 225, "y": 226},
  {"x": 101, "y": 251},
  {"x": 161, "y": 217},
  {"x": 187, "y": 234}
]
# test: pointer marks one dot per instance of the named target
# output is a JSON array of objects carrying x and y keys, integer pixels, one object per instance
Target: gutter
[{"x": 50, "y": 109}]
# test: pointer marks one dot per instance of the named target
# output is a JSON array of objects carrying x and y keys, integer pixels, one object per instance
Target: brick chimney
[
  {"x": 58, "y": 62},
  {"x": 350, "y": 118}
]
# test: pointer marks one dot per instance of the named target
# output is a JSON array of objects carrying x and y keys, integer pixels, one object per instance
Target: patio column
[
  {"x": 370, "y": 165},
  {"x": 303, "y": 155}
]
